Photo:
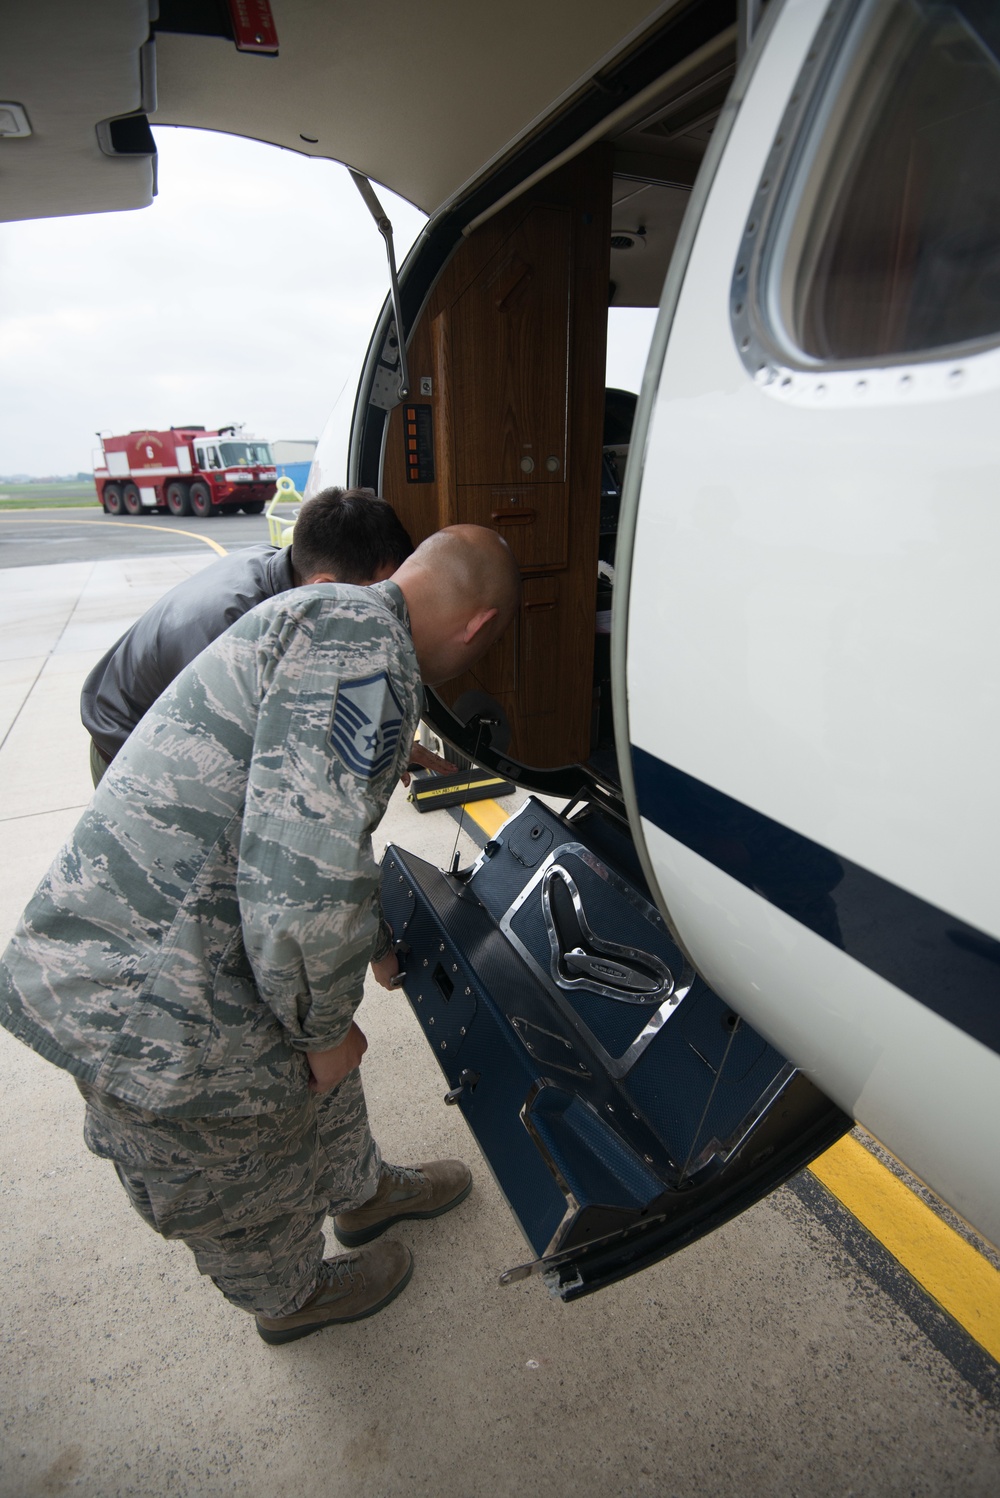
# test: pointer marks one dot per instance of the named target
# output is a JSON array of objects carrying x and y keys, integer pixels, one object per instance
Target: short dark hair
[{"x": 349, "y": 532}]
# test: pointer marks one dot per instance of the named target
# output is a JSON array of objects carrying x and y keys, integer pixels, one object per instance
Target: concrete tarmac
[
  {"x": 33, "y": 538},
  {"x": 769, "y": 1358}
]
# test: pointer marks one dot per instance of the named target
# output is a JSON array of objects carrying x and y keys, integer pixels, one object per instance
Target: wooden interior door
[{"x": 505, "y": 430}]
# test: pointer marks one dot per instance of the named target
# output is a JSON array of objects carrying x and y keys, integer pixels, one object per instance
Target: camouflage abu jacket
[{"x": 214, "y": 912}]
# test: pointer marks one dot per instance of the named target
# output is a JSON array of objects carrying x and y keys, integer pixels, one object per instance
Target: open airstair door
[{"x": 623, "y": 1108}]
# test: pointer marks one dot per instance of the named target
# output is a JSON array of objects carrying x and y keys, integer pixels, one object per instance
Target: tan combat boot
[
  {"x": 404, "y": 1192},
  {"x": 353, "y": 1286}
]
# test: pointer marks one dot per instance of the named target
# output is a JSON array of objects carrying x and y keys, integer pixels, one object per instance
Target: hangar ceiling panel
[
  {"x": 67, "y": 68},
  {"x": 417, "y": 97},
  {"x": 421, "y": 98}
]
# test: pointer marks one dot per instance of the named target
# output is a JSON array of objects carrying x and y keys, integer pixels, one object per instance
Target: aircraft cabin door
[{"x": 808, "y": 695}]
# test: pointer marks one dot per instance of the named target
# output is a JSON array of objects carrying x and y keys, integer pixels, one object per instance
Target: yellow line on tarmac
[
  {"x": 488, "y": 814},
  {"x": 173, "y": 530},
  {"x": 948, "y": 1268}
]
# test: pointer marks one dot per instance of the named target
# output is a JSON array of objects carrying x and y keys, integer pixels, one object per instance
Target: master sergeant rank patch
[{"x": 366, "y": 723}]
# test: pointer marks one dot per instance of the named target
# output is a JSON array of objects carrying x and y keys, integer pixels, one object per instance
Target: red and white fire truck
[{"x": 186, "y": 470}]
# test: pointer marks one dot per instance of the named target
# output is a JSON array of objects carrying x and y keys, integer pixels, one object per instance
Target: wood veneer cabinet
[{"x": 512, "y": 339}]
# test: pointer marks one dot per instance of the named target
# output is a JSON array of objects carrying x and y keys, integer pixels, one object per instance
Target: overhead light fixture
[{"x": 627, "y": 239}]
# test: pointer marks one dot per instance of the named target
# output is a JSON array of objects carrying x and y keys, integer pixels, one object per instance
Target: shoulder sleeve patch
[{"x": 366, "y": 723}]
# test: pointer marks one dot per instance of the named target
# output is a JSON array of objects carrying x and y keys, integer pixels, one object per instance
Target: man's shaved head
[
  {"x": 462, "y": 589},
  {"x": 472, "y": 564}
]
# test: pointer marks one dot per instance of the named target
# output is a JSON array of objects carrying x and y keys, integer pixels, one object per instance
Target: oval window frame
[{"x": 775, "y": 228}]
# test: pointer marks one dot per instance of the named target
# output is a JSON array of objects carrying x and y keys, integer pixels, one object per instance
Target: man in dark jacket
[{"x": 341, "y": 536}]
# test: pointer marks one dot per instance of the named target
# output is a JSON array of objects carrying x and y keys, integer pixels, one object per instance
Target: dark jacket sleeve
[{"x": 140, "y": 666}]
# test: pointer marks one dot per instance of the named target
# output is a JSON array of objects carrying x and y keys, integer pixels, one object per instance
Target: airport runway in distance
[{"x": 35, "y": 538}]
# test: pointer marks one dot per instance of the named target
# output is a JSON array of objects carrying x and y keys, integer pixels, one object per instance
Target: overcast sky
[{"x": 246, "y": 293}]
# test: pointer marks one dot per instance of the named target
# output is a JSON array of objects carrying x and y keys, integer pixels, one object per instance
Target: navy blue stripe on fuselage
[{"x": 937, "y": 959}]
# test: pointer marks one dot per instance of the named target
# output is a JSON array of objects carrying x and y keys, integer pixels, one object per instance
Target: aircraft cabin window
[{"x": 893, "y": 246}]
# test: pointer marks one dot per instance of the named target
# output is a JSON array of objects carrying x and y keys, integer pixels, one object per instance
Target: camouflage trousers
[{"x": 247, "y": 1195}]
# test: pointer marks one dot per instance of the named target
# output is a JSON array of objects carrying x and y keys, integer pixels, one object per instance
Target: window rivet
[
  {"x": 861, "y": 387},
  {"x": 956, "y": 377},
  {"x": 738, "y": 308}
]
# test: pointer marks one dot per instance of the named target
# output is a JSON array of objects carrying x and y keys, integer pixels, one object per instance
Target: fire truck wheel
[
  {"x": 112, "y": 499},
  {"x": 178, "y": 500},
  {"x": 254, "y": 507},
  {"x": 201, "y": 499},
  {"x": 131, "y": 500}
]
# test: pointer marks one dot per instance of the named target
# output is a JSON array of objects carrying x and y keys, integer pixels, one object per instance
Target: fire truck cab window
[
  {"x": 214, "y": 461},
  {"x": 897, "y": 246},
  {"x": 235, "y": 453},
  {"x": 199, "y": 456}
]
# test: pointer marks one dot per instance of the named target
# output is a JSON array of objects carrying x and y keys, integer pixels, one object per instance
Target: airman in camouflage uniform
[{"x": 199, "y": 946}]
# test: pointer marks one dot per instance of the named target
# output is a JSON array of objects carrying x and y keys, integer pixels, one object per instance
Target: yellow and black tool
[{"x": 438, "y": 792}]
